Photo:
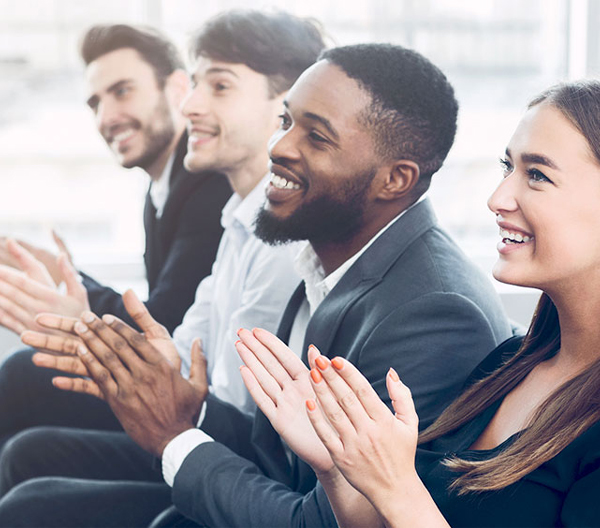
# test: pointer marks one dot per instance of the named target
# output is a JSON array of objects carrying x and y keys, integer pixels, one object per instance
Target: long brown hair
[{"x": 575, "y": 405}]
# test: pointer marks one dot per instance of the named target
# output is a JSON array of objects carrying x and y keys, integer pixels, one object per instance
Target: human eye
[
  {"x": 537, "y": 176},
  {"x": 316, "y": 137},
  {"x": 122, "y": 91},
  {"x": 285, "y": 121},
  {"x": 506, "y": 166},
  {"x": 220, "y": 86}
]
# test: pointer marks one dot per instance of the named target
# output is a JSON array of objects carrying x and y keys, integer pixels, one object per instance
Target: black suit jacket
[
  {"x": 412, "y": 301},
  {"x": 181, "y": 245}
]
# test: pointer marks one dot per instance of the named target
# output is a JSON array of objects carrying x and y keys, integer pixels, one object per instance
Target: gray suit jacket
[{"x": 412, "y": 301}]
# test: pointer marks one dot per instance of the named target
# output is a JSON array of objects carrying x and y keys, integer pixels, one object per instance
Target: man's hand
[
  {"x": 279, "y": 383},
  {"x": 151, "y": 399},
  {"x": 31, "y": 290}
]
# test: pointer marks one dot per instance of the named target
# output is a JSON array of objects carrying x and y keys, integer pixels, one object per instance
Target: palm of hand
[{"x": 165, "y": 345}]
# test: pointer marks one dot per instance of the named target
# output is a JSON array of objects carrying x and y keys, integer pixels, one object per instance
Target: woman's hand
[{"x": 373, "y": 448}]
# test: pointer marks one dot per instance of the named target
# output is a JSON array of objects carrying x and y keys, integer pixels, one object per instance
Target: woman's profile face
[{"x": 548, "y": 206}]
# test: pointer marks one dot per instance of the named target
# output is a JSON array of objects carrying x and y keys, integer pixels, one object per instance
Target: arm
[
  {"x": 191, "y": 254},
  {"x": 373, "y": 448}
]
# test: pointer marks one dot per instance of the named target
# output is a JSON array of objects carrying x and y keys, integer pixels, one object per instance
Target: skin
[{"x": 124, "y": 95}]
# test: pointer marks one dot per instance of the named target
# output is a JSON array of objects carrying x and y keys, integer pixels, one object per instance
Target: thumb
[
  {"x": 140, "y": 314},
  {"x": 402, "y": 400},
  {"x": 72, "y": 279},
  {"x": 198, "y": 376}
]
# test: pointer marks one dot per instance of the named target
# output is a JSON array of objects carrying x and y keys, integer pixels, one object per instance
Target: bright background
[{"x": 55, "y": 170}]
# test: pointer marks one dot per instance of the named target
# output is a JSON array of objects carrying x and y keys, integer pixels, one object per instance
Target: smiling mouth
[
  {"x": 514, "y": 238},
  {"x": 279, "y": 182}
]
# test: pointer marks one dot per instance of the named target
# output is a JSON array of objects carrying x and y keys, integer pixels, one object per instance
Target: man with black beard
[
  {"x": 362, "y": 133},
  {"x": 135, "y": 84}
]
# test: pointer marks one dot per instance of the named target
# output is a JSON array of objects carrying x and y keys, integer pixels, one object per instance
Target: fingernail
[
  {"x": 393, "y": 375},
  {"x": 337, "y": 363},
  {"x": 316, "y": 375},
  {"x": 88, "y": 317},
  {"x": 80, "y": 328},
  {"x": 82, "y": 350},
  {"x": 239, "y": 330},
  {"x": 108, "y": 319},
  {"x": 236, "y": 343},
  {"x": 321, "y": 362},
  {"x": 310, "y": 405}
]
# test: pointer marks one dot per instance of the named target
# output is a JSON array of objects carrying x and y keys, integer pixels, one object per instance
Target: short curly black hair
[
  {"x": 278, "y": 45},
  {"x": 154, "y": 47},
  {"x": 413, "y": 112}
]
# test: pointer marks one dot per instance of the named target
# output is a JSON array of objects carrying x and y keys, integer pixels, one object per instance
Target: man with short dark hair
[
  {"x": 135, "y": 85},
  {"x": 383, "y": 286}
]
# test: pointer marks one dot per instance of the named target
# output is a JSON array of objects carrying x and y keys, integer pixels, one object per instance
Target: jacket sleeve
[{"x": 190, "y": 258}]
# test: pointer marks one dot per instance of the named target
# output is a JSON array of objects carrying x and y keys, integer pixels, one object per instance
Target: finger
[
  {"x": 332, "y": 410},
  {"x": 198, "y": 376},
  {"x": 68, "y": 364},
  {"x": 284, "y": 355},
  {"x": 99, "y": 374},
  {"x": 28, "y": 263},
  {"x": 402, "y": 402},
  {"x": 324, "y": 431},
  {"x": 72, "y": 279},
  {"x": 16, "y": 295},
  {"x": 24, "y": 290},
  {"x": 263, "y": 401},
  {"x": 140, "y": 314},
  {"x": 266, "y": 380},
  {"x": 82, "y": 385},
  {"x": 265, "y": 356},
  {"x": 360, "y": 387},
  {"x": 101, "y": 349},
  {"x": 54, "y": 343},
  {"x": 62, "y": 247},
  {"x": 10, "y": 322},
  {"x": 14, "y": 311},
  {"x": 57, "y": 322},
  {"x": 312, "y": 354},
  {"x": 132, "y": 346}
]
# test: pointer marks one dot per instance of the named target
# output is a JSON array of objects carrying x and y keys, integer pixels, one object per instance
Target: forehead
[
  {"x": 206, "y": 67},
  {"x": 545, "y": 130},
  {"x": 325, "y": 90},
  {"x": 118, "y": 65}
]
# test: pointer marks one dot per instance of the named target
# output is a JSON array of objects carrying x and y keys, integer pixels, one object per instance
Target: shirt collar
[
  {"x": 159, "y": 189},
  {"x": 243, "y": 211}
]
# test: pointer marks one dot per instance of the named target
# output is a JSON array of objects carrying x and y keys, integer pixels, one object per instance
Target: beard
[
  {"x": 332, "y": 217},
  {"x": 158, "y": 135}
]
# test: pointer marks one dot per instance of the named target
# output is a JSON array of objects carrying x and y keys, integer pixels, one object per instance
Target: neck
[
  {"x": 333, "y": 254},
  {"x": 247, "y": 174},
  {"x": 579, "y": 329},
  {"x": 157, "y": 167}
]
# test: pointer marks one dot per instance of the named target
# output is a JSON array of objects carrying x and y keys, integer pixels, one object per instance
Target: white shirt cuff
[{"x": 179, "y": 448}]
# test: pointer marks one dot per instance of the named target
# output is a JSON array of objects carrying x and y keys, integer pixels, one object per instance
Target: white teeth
[
  {"x": 514, "y": 237},
  {"x": 281, "y": 183},
  {"x": 122, "y": 136}
]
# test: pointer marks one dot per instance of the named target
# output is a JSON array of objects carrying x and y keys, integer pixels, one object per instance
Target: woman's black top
[{"x": 565, "y": 491}]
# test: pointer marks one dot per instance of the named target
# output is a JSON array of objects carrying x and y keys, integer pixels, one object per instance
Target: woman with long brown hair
[{"x": 521, "y": 445}]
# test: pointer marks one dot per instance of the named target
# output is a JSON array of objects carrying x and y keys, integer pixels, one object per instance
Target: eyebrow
[
  {"x": 93, "y": 100},
  {"x": 316, "y": 117},
  {"x": 221, "y": 70},
  {"x": 530, "y": 157}
]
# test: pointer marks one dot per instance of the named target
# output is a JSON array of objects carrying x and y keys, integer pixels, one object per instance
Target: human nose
[
  {"x": 282, "y": 144},
  {"x": 194, "y": 103},
  {"x": 504, "y": 198},
  {"x": 107, "y": 115}
]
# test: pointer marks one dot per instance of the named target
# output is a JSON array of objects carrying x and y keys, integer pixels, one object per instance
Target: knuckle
[
  {"x": 102, "y": 377},
  {"x": 348, "y": 400},
  {"x": 137, "y": 340}
]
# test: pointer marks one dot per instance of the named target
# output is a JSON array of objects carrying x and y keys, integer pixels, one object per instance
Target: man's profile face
[
  {"x": 132, "y": 114},
  {"x": 322, "y": 161},
  {"x": 230, "y": 117}
]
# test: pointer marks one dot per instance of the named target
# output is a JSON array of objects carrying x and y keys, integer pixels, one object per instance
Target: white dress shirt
[
  {"x": 159, "y": 189},
  {"x": 250, "y": 285},
  {"x": 317, "y": 286}
]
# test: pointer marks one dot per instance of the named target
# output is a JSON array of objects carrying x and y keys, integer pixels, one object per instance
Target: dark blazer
[
  {"x": 181, "y": 245},
  {"x": 412, "y": 301}
]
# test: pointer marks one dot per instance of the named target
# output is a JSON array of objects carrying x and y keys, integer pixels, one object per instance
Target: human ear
[
  {"x": 400, "y": 179},
  {"x": 277, "y": 106}
]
